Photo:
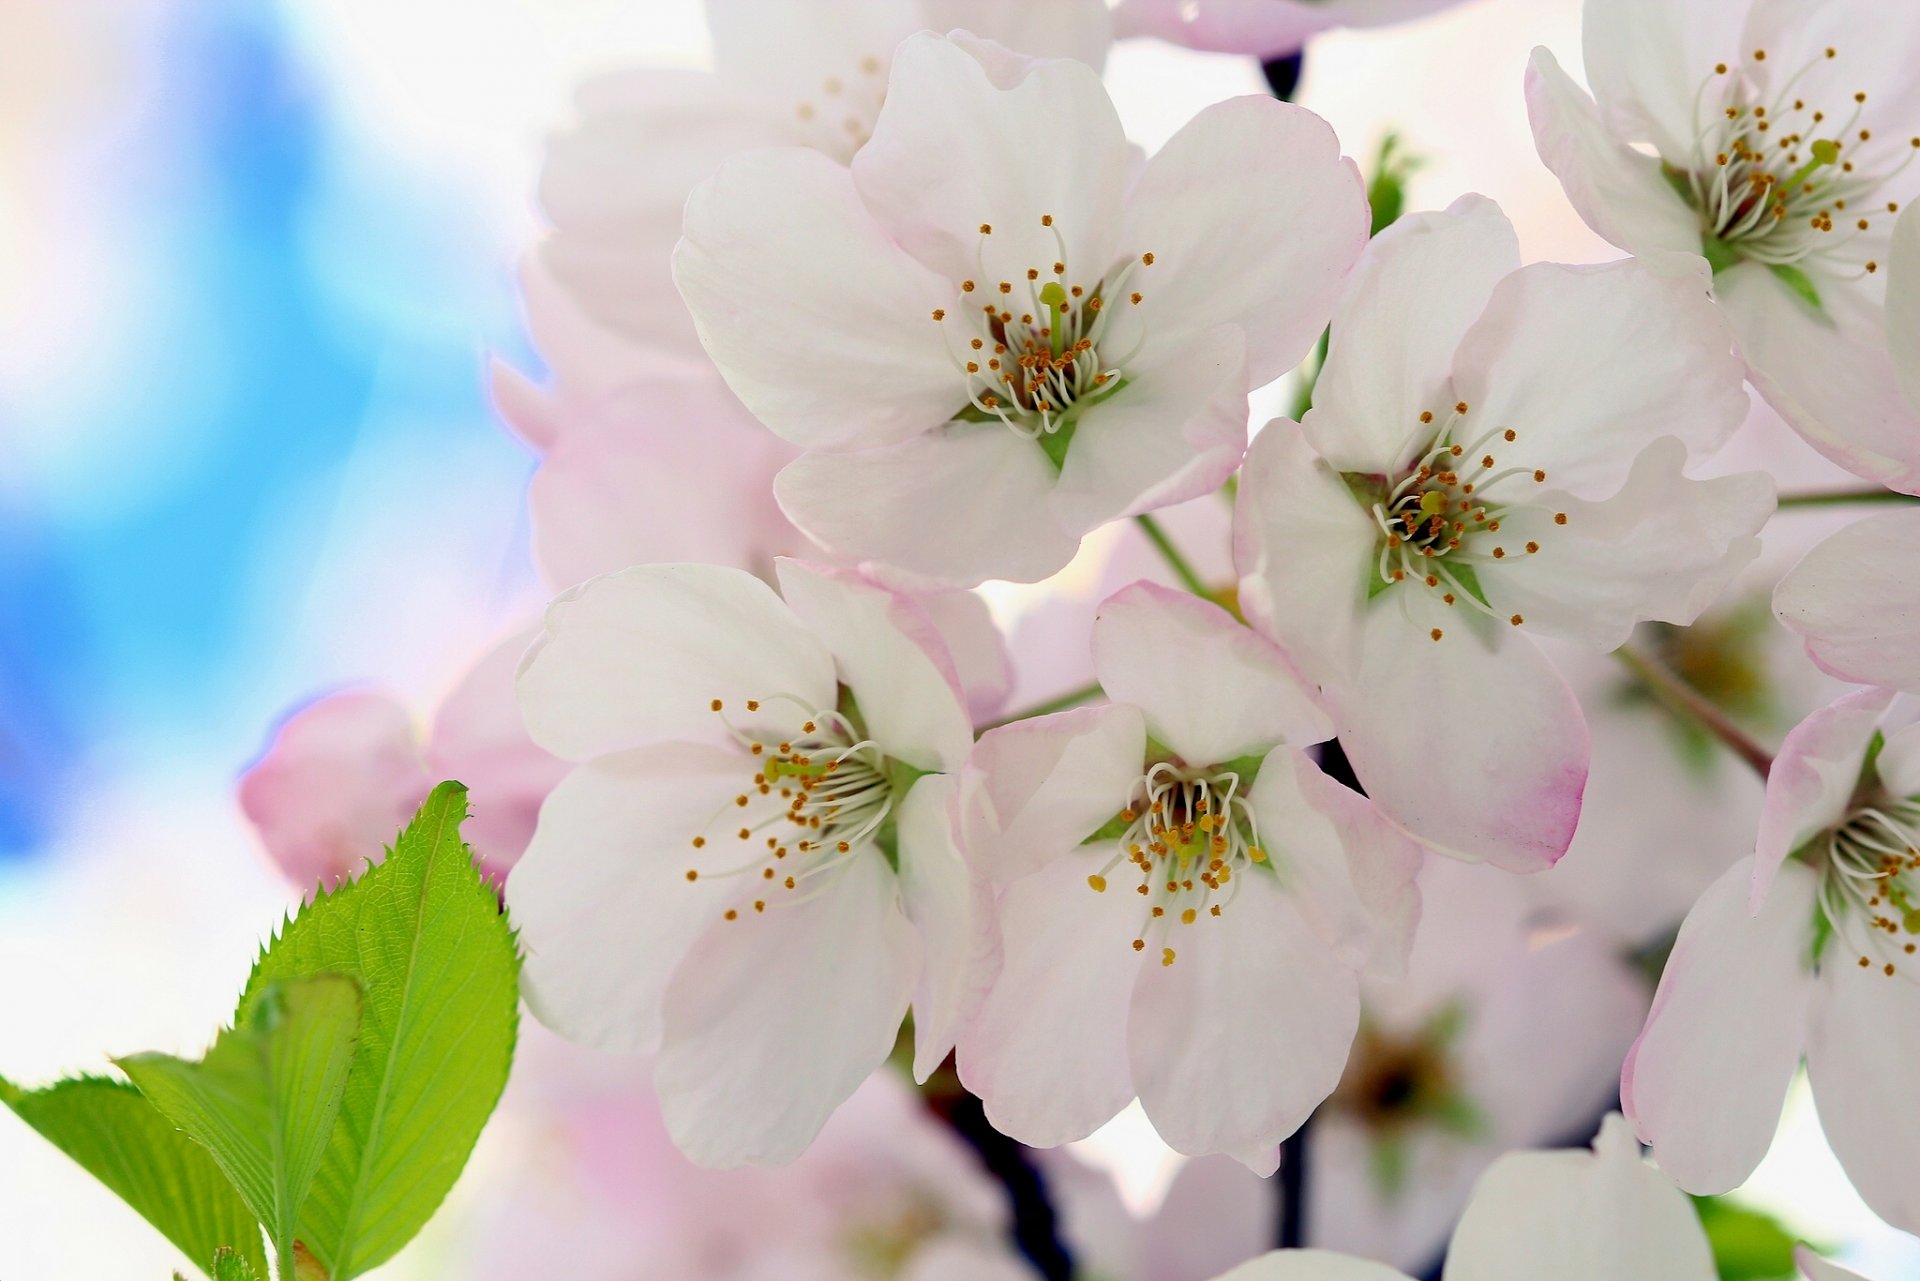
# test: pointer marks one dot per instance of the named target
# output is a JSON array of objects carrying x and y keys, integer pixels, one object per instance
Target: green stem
[
  {"x": 1842, "y": 497},
  {"x": 1182, "y": 568},
  {"x": 1072, "y": 698},
  {"x": 1688, "y": 703}
]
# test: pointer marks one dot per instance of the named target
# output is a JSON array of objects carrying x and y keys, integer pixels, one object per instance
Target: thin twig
[
  {"x": 1843, "y": 497},
  {"x": 1182, "y": 567},
  {"x": 1072, "y": 698},
  {"x": 1685, "y": 701}
]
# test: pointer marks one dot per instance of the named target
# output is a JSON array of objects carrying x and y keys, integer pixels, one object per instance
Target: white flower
[
  {"x": 1185, "y": 898},
  {"x": 786, "y": 73},
  {"x": 1807, "y": 948},
  {"x": 752, "y": 869},
  {"x": 1267, "y": 28},
  {"x": 1784, "y": 137},
  {"x": 1492, "y": 446},
  {"x": 991, "y": 338}
]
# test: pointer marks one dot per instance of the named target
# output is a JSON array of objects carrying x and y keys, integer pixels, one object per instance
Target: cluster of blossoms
[{"x": 887, "y": 308}]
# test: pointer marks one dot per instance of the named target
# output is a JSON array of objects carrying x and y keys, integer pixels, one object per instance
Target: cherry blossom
[
  {"x": 786, "y": 73},
  {"x": 1783, "y": 136},
  {"x": 1025, "y": 339},
  {"x": 1267, "y": 28},
  {"x": 1184, "y": 899},
  {"x": 1856, "y": 600},
  {"x": 751, "y": 869},
  {"x": 1492, "y": 449},
  {"x": 1806, "y": 949}
]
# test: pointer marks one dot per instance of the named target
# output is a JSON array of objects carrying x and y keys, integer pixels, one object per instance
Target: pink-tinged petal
[
  {"x": 1264, "y": 27},
  {"x": 1419, "y": 286},
  {"x": 1856, "y": 599},
  {"x": 1174, "y": 431},
  {"x": 890, "y": 654},
  {"x": 1830, "y": 376},
  {"x": 615, "y": 184},
  {"x": 1047, "y": 1052},
  {"x": 1588, "y": 365},
  {"x": 962, "y": 1259},
  {"x": 1878, "y": 61},
  {"x": 1575, "y": 1216},
  {"x": 585, "y": 358},
  {"x": 979, "y": 651},
  {"x": 820, "y": 323},
  {"x": 953, "y": 910},
  {"x": 1263, "y": 246},
  {"x": 479, "y": 738},
  {"x": 341, "y": 779},
  {"x": 1212, "y": 689},
  {"x": 1305, "y": 551},
  {"x": 1664, "y": 547},
  {"x": 960, "y": 504},
  {"x": 1813, "y": 779},
  {"x": 1037, "y": 788},
  {"x": 1863, "y": 1039},
  {"x": 773, "y": 1020},
  {"x": 1816, "y": 1268},
  {"x": 1215, "y": 1215},
  {"x": 1646, "y": 60},
  {"x": 1903, "y": 305},
  {"x": 1351, "y": 872},
  {"x": 1244, "y": 1028},
  {"x": 1898, "y": 764},
  {"x": 1472, "y": 743},
  {"x": 1080, "y": 29},
  {"x": 1704, "y": 1083},
  {"x": 662, "y": 470},
  {"x": 640, "y": 657},
  {"x": 529, "y": 410},
  {"x": 788, "y": 51},
  {"x": 601, "y": 897},
  {"x": 955, "y": 148},
  {"x": 1311, "y": 1265},
  {"x": 1617, "y": 191}
]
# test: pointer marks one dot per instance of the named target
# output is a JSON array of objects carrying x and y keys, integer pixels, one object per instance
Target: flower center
[
  {"x": 838, "y": 118},
  {"x": 815, "y": 797},
  {"x": 1188, "y": 833},
  {"x": 1870, "y": 885},
  {"x": 1029, "y": 349},
  {"x": 1440, "y": 522},
  {"x": 1782, "y": 180}
]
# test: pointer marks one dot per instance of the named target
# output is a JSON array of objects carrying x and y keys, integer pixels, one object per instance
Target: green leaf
[
  {"x": 438, "y": 970},
  {"x": 228, "y": 1266},
  {"x": 120, "y": 1139},
  {"x": 1747, "y": 1245},
  {"x": 264, "y": 1100},
  {"x": 1469, "y": 580}
]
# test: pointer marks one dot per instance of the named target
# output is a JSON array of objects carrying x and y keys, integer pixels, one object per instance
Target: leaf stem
[
  {"x": 1182, "y": 567},
  {"x": 1059, "y": 703},
  {"x": 1843, "y": 497},
  {"x": 1685, "y": 701}
]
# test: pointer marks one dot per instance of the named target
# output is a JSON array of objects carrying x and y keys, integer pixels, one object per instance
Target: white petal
[
  {"x": 954, "y": 150},
  {"x": 1903, "y": 305},
  {"x": 1575, "y": 1216},
  {"x": 1646, "y": 60},
  {"x": 1350, "y": 870},
  {"x": 1856, "y": 599},
  {"x": 1587, "y": 365},
  {"x": 1830, "y": 376},
  {"x": 1264, "y": 246},
  {"x": 960, "y": 504},
  {"x": 1863, "y": 1040},
  {"x": 979, "y": 651},
  {"x": 1174, "y": 431},
  {"x": 1239, "y": 1038},
  {"x": 1311, "y": 1265},
  {"x": 954, "y": 912},
  {"x": 818, "y": 320},
  {"x": 601, "y": 897},
  {"x": 1079, "y": 29},
  {"x": 890, "y": 654},
  {"x": 1619, "y": 192},
  {"x": 773, "y": 1020},
  {"x": 1417, "y": 288},
  {"x": 1305, "y": 552},
  {"x": 1216, "y": 1214},
  {"x": 1473, "y": 743},
  {"x": 1038, "y": 787},
  {"x": 786, "y": 51},
  {"x": 1818, "y": 1269},
  {"x": 1664, "y": 547},
  {"x": 1813, "y": 779},
  {"x": 1212, "y": 689},
  {"x": 639, "y": 657},
  {"x": 1047, "y": 1053},
  {"x": 1705, "y": 1081}
]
